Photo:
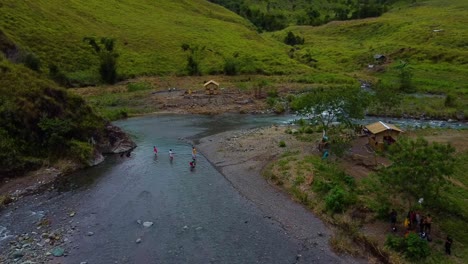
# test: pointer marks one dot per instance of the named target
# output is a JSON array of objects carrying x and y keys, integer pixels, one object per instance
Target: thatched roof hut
[{"x": 381, "y": 134}]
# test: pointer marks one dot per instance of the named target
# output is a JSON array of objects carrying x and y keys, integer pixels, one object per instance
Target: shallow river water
[{"x": 197, "y": 216}]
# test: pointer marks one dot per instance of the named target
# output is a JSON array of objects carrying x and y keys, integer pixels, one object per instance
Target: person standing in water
[
  {"x": 155, "y": 150},
  {"x": 194, "y": 153},
  {"x": 171, "y": 155},
  {"x": 192, "y": 164}
]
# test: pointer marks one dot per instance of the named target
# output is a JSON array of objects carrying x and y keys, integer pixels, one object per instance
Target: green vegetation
[
  {"x": 148, "y": 40},
  {"x": 354, "y": 204},
  {"x": 273, "y": 15},
  {"x": 107, "y": 58},
  {"x": 324, "y": 107},
  {"x": 419, "y": 169},
  {"x": 40, "y": 122}
]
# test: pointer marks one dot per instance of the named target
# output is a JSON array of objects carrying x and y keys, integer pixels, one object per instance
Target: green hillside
[
  {"x": 430, "y": 36},
  {"x": 148, "y": 35},
  {"x": 40, "y": 122}
]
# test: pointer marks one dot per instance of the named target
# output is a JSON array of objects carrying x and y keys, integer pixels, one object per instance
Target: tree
[
  {"x": 107, "y": 58},
  {"x": 419, "y": 169},
  {"x": 332, "y": 105},
  {"x": 405, "y": 74},
  {"x": 193, "y": 58},
  {"x": 292, "y": 39}
]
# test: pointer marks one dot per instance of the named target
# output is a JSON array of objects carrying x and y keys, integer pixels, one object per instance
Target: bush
[
  {"x": 32, "y": 62},
  {"x": 57, "y": 75},
  {"x": 82, "y": 151},
  {"x": 450, "y": 101},
  {"x": 416, "y": 248},
  {"x": 396, "y": 243},
  {"x": 335, "y": 201},
  {"x": 282, "y": 144},
  {"x": 230, "y": 67},
  {"x": 413, "y": 247},
  {"x": 279, "y": 108},
  {"x": 292, "y": 39}
]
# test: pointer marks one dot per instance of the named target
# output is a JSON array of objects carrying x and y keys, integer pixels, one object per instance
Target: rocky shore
[{"x": 114, "y": 141}]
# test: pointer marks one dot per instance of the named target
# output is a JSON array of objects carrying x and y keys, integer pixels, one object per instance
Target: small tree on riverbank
[{"x": 325, "y": 106}]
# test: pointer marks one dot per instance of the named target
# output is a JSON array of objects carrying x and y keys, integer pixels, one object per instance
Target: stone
[
  {"x": 138, "y": 241},
  {"x": 72, "y": 214},
  {"x": 90, "y": 233},
  {"x": 18, "y": 254},
  {"x": 147, "y": 224},
  {"x": 139, "y": 221},
  {"x": 58, "y": 252}
]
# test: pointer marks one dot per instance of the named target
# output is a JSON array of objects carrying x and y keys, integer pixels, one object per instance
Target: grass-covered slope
[
  {"x": 40, "y": 122},
  {"x": 148, "y": 34},
  {"x": 430, "y": 35}
]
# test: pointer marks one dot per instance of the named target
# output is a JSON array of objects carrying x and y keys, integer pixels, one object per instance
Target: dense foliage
[
  {"x": 273, "y": 15},
  {"x": 41, "y": 122},
  {"x": 419, "y": 169},
  {"x": 326, "y": 106}
]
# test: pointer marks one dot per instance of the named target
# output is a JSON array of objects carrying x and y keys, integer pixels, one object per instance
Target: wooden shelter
[
  {"x": 381, "y": 134},
  {"x": 211, "y": 87}
]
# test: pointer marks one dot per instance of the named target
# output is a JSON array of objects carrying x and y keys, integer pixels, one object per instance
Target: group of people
[
  {"x": 414, "y": 221},
  {"x": 417, "y": 222},
  {"x": 192, "y": 163}
]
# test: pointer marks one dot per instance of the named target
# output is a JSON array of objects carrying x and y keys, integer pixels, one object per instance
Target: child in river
[
  {"x": 171, "y": 155},
  {"x": 192, "y": 164},
  {"x": 155, "y": 150},
  {"x": 194, "y": 153}
]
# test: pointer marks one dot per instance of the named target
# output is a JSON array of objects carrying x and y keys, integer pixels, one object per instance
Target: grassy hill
[
  {"x": 431, "y": 36},
  {"x": 148, "y": 35},
  {"x": 40, "y": 122}
]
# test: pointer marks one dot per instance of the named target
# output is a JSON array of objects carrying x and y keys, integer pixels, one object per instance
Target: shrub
[
  {"x": 107, "y": 58},
  {"x": 335, "y": 201},
  {"x": 57, "y": 75},
  {"x": 82, "y": 151},
  {"x": 32, "y": 62},
  {"x": 395, "y": 242},
  {"x": 413, "y": 247},
  {"x": 230, "y": 67},
  {"x": 279, "y": 108},
  {"x": 282, "y": 144},
  {"x": 450, "y": 101},
  {"x": 416, "y": 248},
  {"x": 292, "y": 39}
]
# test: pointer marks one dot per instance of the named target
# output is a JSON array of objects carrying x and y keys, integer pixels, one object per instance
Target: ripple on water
[{"x": 4, "y": 233}]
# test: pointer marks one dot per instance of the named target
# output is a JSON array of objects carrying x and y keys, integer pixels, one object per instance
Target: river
[{"x": 197, "y": 216}]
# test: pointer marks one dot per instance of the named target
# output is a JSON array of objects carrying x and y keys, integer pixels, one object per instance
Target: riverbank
[
  {"x": 244, "y": 156},
  {"x": 241, "y": 156}
]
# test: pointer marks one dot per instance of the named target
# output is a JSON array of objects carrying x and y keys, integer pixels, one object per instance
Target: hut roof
[
  {"x": 380, "y": 126},
  {"x": 211, "y": 81}
]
